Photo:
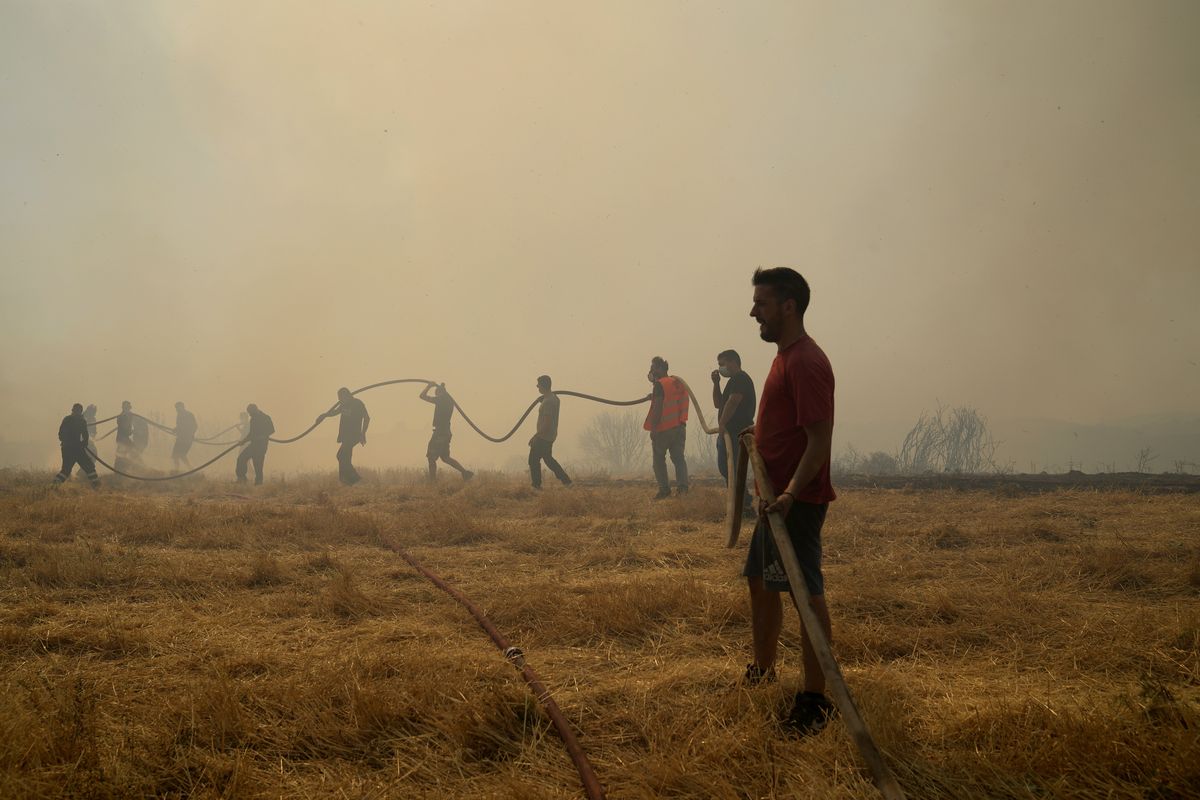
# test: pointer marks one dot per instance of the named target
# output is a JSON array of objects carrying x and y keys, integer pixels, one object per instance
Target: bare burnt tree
[
  {"x": 1145, "y": 457},
  {"x": 616, "y": 441},
  {"x": 948, "y": 440}
]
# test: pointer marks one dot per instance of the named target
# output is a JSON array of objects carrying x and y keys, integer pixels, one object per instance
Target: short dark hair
[
  {"x": 659, "y": 361},
  {"x": 787, "y": 285},
  {"x": 544, "y": 380},
  {"x": 77, "y": 408},
  {"x": 729, "y": 355}
]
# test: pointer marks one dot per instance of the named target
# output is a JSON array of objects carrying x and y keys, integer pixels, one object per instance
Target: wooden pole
[{"x": 883, "y": 777}]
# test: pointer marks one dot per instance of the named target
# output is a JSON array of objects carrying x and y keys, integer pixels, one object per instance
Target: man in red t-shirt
[{"x": 794, "y": 434}]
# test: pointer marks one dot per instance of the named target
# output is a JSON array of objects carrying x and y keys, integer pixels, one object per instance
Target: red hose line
[{"x": 591, "y": 785}]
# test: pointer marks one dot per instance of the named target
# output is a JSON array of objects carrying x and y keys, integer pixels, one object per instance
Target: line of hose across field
[
  {"x": 191, "y": 471},
  {"x": 591, "y": 784},
  {"x": 496, "y": 439}
]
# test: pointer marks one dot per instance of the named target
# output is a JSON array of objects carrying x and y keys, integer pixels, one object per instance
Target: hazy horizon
[{"x": 995, "y": 205}]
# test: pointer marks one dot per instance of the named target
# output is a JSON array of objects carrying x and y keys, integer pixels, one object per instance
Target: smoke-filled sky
[{"x": 997, "y": 204}]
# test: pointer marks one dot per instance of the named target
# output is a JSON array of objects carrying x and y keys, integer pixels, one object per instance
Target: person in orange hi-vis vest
[{"x": 667, "y": 423}]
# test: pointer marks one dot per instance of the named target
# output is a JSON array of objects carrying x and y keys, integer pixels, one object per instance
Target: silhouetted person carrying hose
[
  {"x": 541, "y": 446},
  {"x": 352, "y": 430},
  {"x": 258, "y": 436},
  {"x": 735, "y": 410},
  {"x": 185, "y": 433},
  {"x": 439, "y": 442},
  {"x": 141, "y": 435},
  {"x": 127, "y": 452},
  {"x": 667, "y": 423},
  {"x": 73, "y": 435},
  {"x": 793, "y": 434}
]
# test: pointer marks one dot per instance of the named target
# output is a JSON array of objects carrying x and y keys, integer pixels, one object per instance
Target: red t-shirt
[{"x": 798, "y": 391}]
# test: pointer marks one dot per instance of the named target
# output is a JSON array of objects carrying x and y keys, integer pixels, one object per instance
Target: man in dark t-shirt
[
  {"x": 735, "y": 409},
  {"x": 541, "y": 444},
  {"x": 352, "y": 430},
  {"x": 185, "y": 434},
  {"x": 258, "y": 437},
  {"x": 793, "y": 434},
  {"x": 439, "y": 442}
]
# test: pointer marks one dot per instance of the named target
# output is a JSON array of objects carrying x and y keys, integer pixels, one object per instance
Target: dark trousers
[
  {"x": 77, "y": 455},
  {"x": 346, "y": 471},
  {"x": 256, "y": 452},
  {"x": 540, "y": 451},
  {"x": 669, "y": 441}
]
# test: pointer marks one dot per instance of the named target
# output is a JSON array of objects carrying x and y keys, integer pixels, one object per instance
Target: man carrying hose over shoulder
[
  {"x": 541, "y": 445},
  {"x": 185, "y": 434},
  {"x": 127, "y": 452},
  {"x": 439, "y": 442},
  {"x": 352, "y": 430},
  {"x": 793, "y": 434},
  {"x": 258, "y": 436},
  {"x": 73, "y": 435}
]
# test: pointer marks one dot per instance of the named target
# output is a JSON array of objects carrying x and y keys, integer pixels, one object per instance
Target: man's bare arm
[
  {"x": 820, "y": 445},
  {"x": 731, "y": 405}
]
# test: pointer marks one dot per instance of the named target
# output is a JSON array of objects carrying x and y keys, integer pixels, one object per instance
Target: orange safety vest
[{"x": 674, "y": 405}]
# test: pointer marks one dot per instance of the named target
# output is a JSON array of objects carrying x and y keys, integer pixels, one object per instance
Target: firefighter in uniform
[
  {"x": 73, "y": 434},
  {"x": 667, "y": 423},
  {"x": 257, "y": 437}
]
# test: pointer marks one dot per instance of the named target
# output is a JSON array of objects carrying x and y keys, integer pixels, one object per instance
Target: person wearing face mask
[
  {"x": 667, "y": 423},
  {"x": 735, "y": 410}
]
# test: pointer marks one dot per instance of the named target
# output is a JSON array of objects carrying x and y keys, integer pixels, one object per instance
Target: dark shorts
[
  {"x": 439, "y": 445},
  {"x": 181, "y": 448},
  {"x": 804, "y": 524}
]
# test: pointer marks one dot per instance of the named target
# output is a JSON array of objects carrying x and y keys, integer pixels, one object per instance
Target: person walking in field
[
  {"x": 439, "y": 442},
  {"x": 127, "y": 452},
  {"x": 541, "y": 445},
  {"x": 667, "y": 423},
  {"x": 352, "y": 430},
  {"x": 735, "y": 410},
  {"x": 73, "y": 436},
  {"x": 258, "y": 436},
  {"x": 185, "y": 434},
  {"x": 794, "y": 436}
]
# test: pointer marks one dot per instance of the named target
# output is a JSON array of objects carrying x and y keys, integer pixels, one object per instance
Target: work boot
[
  {"x": 663, "y": 494},
  {"x": 468, "y": 475},
  {"x": 809, "y": 715}
]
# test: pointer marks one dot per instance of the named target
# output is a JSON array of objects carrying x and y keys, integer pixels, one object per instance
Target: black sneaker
[
  {"x": 810, "y": 714},
  {"x": 663, "y": 495},
  {"x": 756, "y": 675},
  {"x": 468, "y": 475}
]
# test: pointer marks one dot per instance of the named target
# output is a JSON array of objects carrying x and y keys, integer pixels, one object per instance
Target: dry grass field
[{"x": 203, "y": 640}]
